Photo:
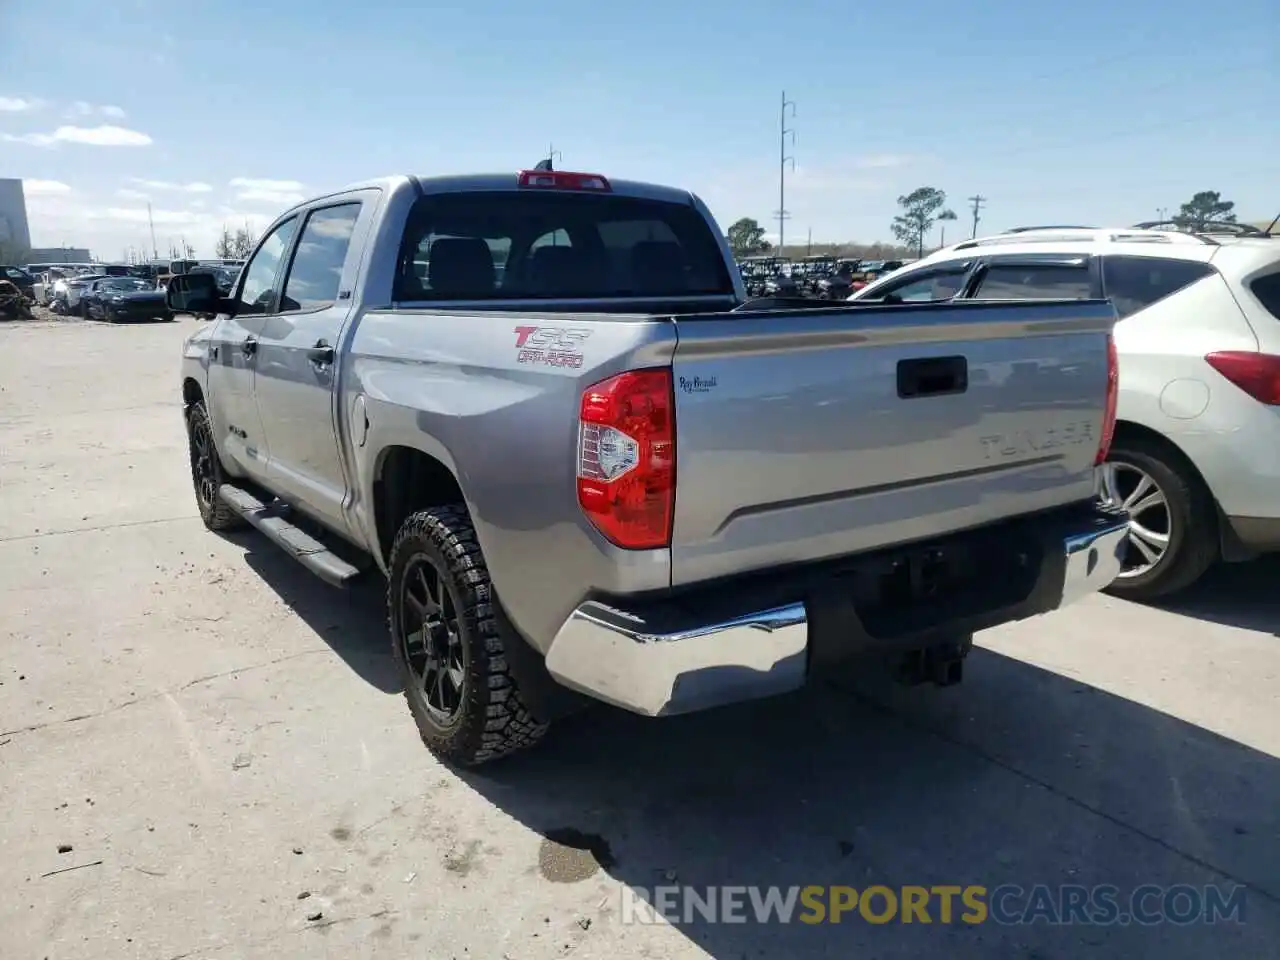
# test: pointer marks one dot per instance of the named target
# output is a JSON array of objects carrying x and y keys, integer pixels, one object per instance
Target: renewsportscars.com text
[{"x": 1008, "y": 904}]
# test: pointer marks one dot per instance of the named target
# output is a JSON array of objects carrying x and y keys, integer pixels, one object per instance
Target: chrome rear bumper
[{"x": 664, "y": 665}]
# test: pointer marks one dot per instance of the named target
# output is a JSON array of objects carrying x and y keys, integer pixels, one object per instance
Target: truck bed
[{"x": 813, "y": 434}]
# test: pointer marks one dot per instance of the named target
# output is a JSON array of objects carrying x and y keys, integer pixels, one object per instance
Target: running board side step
[{"x": 300, "y": 545}]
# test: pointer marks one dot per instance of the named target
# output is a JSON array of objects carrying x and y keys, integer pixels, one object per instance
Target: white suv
[{"x": 1196, "y": 455}]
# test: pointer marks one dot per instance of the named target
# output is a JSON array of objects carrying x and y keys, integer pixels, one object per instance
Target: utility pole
[
  {"x": 1162, "y": 214},
  {"x": 155, "y": 253},
  {"x": 808, "y": 247},
  {"x": 977, "y": 200},
  {"x": 783, "y": 132}
]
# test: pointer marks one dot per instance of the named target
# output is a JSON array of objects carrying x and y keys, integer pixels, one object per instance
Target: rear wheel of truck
[
  {"x": 447, "y": 640},
  {"x": 1173, "y": 523},
  {"x": 207, "y": 475}
]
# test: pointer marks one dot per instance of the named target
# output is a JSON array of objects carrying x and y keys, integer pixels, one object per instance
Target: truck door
[
  {"x": 232, "y": 355},
  {"x": 297, "y": 372}
]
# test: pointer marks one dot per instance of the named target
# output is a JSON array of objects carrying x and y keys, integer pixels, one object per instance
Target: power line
[
  {"x": 977, "y": 200},
  {"x": 783, "y": 159}
]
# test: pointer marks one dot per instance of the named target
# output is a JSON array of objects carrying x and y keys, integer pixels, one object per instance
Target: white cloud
[
  {"x": 81, "y": 109},
  {"x": 101, "y": 136},
  {"x": 18, "y": 105},
  {"x": 277, "y": 192},
  {"x": 142, "y": 215},
  {"x": 247, "y": 183},
  {"x": 167, "y": 185},
  {"x": 125, "y": 193},
  {"x": 45, "y": 188}
]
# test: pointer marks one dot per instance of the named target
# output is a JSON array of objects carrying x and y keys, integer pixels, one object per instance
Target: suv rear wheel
[{"x": 1173, "y": 528}]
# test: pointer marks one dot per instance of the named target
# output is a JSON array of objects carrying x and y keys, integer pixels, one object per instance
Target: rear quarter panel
[{"x": 495, "y": 397}]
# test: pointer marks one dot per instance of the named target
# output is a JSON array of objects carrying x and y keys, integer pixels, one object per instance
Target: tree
[
  {"x": 919, "y": 211},
  {"x": 225, "y": 245},
  {"x": 746, "y": 237},
  {"x": 243, "y": 242},
  {"x": 1207, "y": 206},
  {"x": 944, "y": 216}
]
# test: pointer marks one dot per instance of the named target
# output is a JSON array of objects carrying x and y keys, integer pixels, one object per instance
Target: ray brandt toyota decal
[{"x": 550, "y": 346}]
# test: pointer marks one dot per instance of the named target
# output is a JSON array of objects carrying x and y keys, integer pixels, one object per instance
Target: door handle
[
  {"x": 932, "y": 377},
  {"x": 321, "y": 355},
  {"x": 249, "y": 346}
]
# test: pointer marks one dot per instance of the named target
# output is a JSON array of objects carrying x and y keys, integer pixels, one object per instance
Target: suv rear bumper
[{"x": 767, "y": 634}]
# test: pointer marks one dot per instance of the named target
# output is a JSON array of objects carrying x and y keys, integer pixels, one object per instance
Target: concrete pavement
[{"x": 218, "y": 739}]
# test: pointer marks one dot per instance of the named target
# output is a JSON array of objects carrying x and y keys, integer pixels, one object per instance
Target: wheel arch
[
  {"x": 1229, "y": 544},
  {"x": 407, "y": 479}
]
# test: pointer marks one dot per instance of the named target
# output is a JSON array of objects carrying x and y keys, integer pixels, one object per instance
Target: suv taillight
[
  {"x": 1257, "y": 374},
  {"x": 627, "y": 458},
  {"x": 1109, "y": 410}
]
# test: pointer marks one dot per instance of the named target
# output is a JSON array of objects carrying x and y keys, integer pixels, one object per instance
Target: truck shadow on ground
[
  {"x": 1235, "y": 594},
  {"x": 351, "y": 621},
  {"x": 1018, "y": 776}
]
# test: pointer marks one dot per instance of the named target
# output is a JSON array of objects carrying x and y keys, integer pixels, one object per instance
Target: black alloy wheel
[{"x": 431, "y": 639}]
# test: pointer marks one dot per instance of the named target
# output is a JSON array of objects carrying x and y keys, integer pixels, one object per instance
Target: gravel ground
[{"x": 203, "y": 753}]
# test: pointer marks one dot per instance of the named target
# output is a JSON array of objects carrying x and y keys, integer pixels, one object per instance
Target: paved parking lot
[{"x": 218, "y": 740}]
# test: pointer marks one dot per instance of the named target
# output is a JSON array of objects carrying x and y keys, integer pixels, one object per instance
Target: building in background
[
  {"x": 15, "y": 233},
  {"x": 59, "y": 255}
]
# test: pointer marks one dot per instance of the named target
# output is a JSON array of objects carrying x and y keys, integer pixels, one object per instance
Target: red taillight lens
[
  {"x": 564, "y": 180},
  {"x": 1113, "y": 398},
  {"x": 1257, "y": 374},
  {"x": 627, "y": 458}
]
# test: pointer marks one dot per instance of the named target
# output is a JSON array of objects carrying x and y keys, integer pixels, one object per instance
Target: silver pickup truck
[{"x": 540, "y": 404}]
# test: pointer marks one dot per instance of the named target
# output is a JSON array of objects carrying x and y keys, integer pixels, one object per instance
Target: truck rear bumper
[{"x": 763, "y": 635}]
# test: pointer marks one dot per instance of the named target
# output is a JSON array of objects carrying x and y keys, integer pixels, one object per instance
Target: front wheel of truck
[{"x": 447, "y": 640}]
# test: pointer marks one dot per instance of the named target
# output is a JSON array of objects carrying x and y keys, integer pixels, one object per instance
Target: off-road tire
[
  {"x": 492, "y": 720},
  {"x": 1193, "y": 516},
  {"x": 217, "y": 515}
]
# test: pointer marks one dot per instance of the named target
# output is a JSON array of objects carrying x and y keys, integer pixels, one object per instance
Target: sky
[{"x": 1096, "y": 112}]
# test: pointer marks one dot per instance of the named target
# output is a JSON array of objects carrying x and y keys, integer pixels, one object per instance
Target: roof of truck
[
  {"x": 481, "y": 182},
  {"x": 462, "y": 183}
]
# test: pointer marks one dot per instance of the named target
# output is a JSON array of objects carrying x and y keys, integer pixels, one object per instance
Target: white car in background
[{"x": 1196, "y": 455}]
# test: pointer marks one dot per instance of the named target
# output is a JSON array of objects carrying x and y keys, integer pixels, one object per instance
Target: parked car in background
[
  {"x": 1195, "y": 458},
  {"x": 117, "y": 299},
  {"x": 20, "y": 278},
  {"x": 67, "y": 292}
]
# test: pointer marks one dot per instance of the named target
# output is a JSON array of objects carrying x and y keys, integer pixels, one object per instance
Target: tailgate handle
[{"x": 932, "y": 377}]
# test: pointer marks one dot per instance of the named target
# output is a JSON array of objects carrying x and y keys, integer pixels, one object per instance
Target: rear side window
[
  {"x": 1267, "y": 290},
  {"x": 1135, "y": 283},
  {"x": 923, "y": 287},
  {"x": 1057, "y": 281},
  {"x": 542, "y": 245}
]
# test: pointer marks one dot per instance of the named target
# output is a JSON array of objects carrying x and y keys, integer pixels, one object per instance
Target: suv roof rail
[
  {"x": 1052, "y": 226},
  {"x": 1138, "y": 234},
  {"x": 1203, "y": 228}
]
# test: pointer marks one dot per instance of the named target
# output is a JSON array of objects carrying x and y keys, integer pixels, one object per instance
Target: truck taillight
[
  {"x": 1257, "y": 374},
  {"x": 563, "y": 180},
  {"x": 627, "y": 458},
  {"x": 1113, "y": 398}
]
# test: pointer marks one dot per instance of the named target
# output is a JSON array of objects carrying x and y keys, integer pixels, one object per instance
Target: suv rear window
[
  {"x": 517, "y": 245},
  {"x": 1012, "y": 281},
  {"x": 1267, "y": 290}
]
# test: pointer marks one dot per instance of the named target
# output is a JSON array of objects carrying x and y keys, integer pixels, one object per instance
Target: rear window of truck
[{"x": 515, "y": 245}]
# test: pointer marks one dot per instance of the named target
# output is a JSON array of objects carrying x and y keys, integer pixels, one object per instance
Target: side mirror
[{"x": 194, "y": 293}]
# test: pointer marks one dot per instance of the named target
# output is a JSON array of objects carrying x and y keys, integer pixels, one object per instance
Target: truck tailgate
[{"x": 813, "y": 434}]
